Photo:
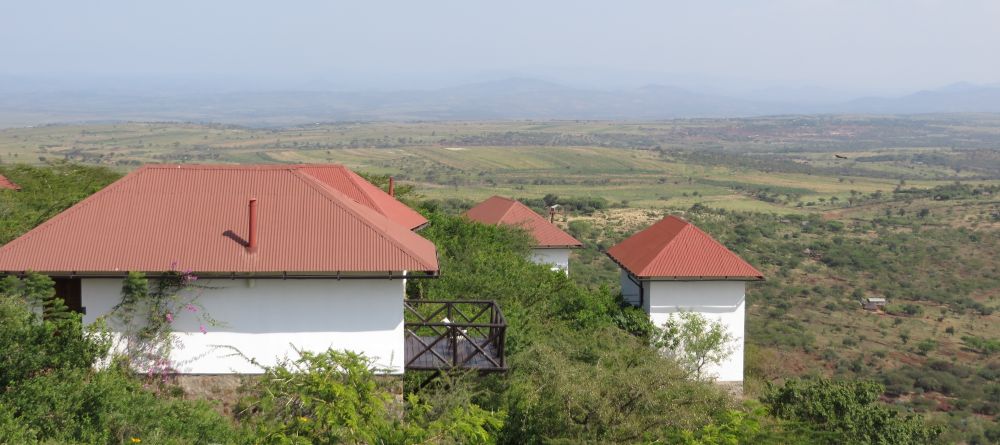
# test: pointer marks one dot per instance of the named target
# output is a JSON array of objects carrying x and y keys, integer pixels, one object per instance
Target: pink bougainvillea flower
[
  {"x": 203, "y": 330},
  {"x": 170, "y": 317},
  {"x": 173, "y": 265},
  {"x": 191, "y": 308}
]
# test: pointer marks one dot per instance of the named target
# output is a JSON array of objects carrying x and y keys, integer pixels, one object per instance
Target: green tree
[
  {"x": 334, "y": 397},
  {"x": 846, "y": 412},
  {"x": 695, "y": 341}
]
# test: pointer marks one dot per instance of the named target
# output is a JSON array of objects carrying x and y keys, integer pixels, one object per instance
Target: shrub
[
  {"x": 51, "y": 391},
  {"x": 334, "y": 397},
  {"x": 846, "y": 411},
  {"x": 611, "y": 388},
  {"x": 926, "y": 346},
  {"x": 981, "y": 345}
]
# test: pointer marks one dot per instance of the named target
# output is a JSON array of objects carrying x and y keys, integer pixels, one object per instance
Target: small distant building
[
  {"x": 873, "y": 303},
  {"x": 673, "y": 266},
  {"x": 552, "y": 245},
  {"x": 7, "y": 184}
]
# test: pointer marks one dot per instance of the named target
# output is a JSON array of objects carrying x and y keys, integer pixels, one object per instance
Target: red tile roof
[
  {"x": 499, "y": 210},
  {"x": 7, "y": 184},
  {"x": 197, "y": 216},
  {"x": 675, "y": 249}
]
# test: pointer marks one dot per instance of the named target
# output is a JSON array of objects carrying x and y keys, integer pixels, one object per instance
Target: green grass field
[{"x": 645, "y": 165}]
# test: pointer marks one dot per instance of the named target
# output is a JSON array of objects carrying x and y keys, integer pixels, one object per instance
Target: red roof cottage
[
  {"x": 552, "y": 245},
  {"x": 311, "y": 256},
  {"x": 674, "y": 266}
]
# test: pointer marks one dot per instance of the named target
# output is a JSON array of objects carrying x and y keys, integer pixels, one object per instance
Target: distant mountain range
[{"x": 513, "y": 98}]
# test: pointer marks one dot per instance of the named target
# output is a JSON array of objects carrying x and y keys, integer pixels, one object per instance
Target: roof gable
[
  {"x": 7, "y": 184},
  {"x": 197, "y": 217},
  {"x": 500, "y": 210},
  {"x": 676, "y": 249}
]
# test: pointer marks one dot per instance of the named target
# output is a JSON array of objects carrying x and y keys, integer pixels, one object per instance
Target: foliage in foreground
[
  {"x": 51, "y": 392},
  {"x": 847, "y": 412},
  {"x": 334, "y": 397}
]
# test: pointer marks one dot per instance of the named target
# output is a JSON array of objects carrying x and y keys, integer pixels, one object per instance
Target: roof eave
[
  {"x": 701, "y": 278},
  {"x": 558, "y": 246},
  {"x": 336, "y": 275}
]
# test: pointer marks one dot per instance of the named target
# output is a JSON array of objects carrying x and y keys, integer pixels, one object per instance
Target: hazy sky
[{"x": 887, "y": 45}]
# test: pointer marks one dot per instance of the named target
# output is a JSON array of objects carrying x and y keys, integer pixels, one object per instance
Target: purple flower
[{"x": 170, "y": 317}]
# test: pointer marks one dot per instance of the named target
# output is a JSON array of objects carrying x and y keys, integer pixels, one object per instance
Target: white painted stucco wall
[
  {"x": 262, "y": 318},
  {"x": 557, "y": 258},
  {"x": 716, "y": 300}
]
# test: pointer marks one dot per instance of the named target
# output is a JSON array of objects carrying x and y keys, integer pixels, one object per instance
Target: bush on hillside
[
  {"x": 847, "y": 412},
  {"x": 51, "y": 391},
  {"x": 335, "y": 397}
]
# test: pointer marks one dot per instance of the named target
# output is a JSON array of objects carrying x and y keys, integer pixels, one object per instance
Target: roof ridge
[
  {"x": 513, "y": 203},
  {"x": 354, "y": 177},
  {"x": 74, "y": 208},
  {"x": 663, "y": 250},
  {"x": 276, "y": 166},
  {"x": 336, "y": 197}
]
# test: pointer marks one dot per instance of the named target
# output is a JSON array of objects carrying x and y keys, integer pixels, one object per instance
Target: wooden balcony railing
[{"x": 456, "y": 334}]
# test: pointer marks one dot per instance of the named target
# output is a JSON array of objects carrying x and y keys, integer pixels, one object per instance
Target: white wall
[
  {"x": 262, "y": 318},
  {"x": 716, "y": 300},
  {"x": 557, "y": 258}
]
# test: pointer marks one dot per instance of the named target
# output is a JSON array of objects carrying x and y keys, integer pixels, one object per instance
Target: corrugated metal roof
[
  {"x": 364, "y": 192},
  {"x": 500, "y": 210},
  {"x": 8, "y": 184},
  {"x": 197, "y": 217},
  {"x": 675, "y": 249}
]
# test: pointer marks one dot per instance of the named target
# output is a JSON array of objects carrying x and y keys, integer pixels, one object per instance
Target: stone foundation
[
  {"x": 734, "y": 389},
  {"x": 223, "y": 390}
]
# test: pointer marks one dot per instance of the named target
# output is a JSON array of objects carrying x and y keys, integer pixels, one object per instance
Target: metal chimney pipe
[
  {"x": 552, "y": 214},
  {"x": 392, "y": 187},
  {"x": 252, "y": 237}
]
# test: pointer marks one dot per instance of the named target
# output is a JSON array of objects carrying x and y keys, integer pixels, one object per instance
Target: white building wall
[
  {"x": 557, "y": 258},
  {"x": 716, "y": 300},
  {"x": 265, "y": 318}
]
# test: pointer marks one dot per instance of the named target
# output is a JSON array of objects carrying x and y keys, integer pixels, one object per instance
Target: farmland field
[{"x": 831, "y": 208}]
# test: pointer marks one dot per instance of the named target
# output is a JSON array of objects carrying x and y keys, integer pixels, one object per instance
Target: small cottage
[
  {"x": 552, "y": 244},
  {"x": 7, "y": 184},
  {"x": 303, "y": 256},
  {"x": 674, "y": 266},
  {"x": 873, "y": 303}
]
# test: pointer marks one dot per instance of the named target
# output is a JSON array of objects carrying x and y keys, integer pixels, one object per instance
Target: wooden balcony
[{"x": 458, "y": 334}]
